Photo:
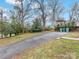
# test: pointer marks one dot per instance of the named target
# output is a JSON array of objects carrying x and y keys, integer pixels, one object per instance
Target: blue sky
[
  {"x": 6, "y": 4},
  {"x": 68, "y": 3}
]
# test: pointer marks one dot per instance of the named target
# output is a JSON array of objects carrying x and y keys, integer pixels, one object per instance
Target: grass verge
[
  {"x": 17, "y": 38},
  {"x": 73, "y": 35},
  {"x": 57, "y": 49}
]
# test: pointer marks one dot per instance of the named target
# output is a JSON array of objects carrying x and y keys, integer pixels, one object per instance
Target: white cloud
[
  {"x": 10, "y": 1},
  {"x": 5, "y": 12},
  {"x": 13, "y": 2},
  {"x": 35, "y": 5}
]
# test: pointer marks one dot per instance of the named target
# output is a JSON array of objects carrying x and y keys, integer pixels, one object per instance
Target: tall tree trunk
[
  {"x": 10, "y": 34},
  {"x": 44, "y": 22}
]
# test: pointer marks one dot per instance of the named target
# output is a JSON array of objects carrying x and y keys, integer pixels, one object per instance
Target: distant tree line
[{"x": 18, "y": 16}]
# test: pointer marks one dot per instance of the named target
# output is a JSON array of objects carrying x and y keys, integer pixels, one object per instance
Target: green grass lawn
[
  {"x": 56, "y": 49},
  {"x": 17, "y": 38},
  {"x": 73, "y": 35}
]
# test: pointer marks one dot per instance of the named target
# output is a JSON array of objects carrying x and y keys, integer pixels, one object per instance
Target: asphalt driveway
[{"x": 10, "y": 50}]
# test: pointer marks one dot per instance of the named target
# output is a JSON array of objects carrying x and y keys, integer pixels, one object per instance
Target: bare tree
[
  {"x": 57, "y": 9},
  {"x": 74, "y": 12},
  {"x": 1, "y": 22},
  {"x": 1, "y": 14},
  {"x": 42, "y": 9},
  {"x": 22, "y": 11}
]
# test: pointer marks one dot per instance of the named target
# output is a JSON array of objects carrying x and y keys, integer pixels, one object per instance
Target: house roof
[{"x": 60, "y": 21}]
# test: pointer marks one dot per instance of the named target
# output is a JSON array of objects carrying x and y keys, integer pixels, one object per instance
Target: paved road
[{"x": 10, "y": 50}]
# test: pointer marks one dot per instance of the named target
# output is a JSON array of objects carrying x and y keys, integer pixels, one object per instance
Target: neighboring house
[
  {"x": 66, "y": 26},
  {"x": 77, "y": 23},
  {"x": 60, "y": 22}
]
